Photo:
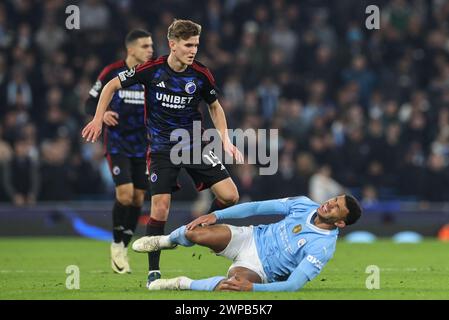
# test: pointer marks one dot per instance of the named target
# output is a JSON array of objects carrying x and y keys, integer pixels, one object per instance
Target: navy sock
[
  {"x": 130, "y": 224},
  {"x": 154, "y": 228},
  {"x": 119, "y": 212}
]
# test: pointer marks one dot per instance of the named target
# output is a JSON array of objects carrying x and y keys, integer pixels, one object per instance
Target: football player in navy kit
[
  {"x": 174, "y": 87},
  {"x": 125, "y": 144}
]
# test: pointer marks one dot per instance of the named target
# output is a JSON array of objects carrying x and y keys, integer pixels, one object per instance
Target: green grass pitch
[{"x": 35, "y": 268}]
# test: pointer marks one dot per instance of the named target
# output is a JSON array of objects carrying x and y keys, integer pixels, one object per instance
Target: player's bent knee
[
  {"x": 199, "y": 235},
  {"x": 125, "y": 198},
  {"x": 137, "y": 203},
  {"x": 124, "y": 194},
  {"x": 159, "y": 210},
  {"x": 138, "y": 199},
  {"x": 193, "y": 235},
  {"x": 231, "y": 199}
]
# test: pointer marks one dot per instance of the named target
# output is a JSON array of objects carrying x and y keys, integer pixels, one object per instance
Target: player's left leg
[
  {"x": 133, "y": 215},
  {"x": 140, "y": 186},
  {"x": 119, "y": 261},
  {"x": 217, "y": 283},
  {"x": 131, "y": 220},
  {"x": 211, "y": 173},
  {"x": 138, "y": 174}
]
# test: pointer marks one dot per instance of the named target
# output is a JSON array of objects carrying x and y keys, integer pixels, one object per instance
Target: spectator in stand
[{"x": 21, "y": 175}]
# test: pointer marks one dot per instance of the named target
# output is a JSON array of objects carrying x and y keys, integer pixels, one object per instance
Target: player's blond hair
[{"x": 183, "y": 29}]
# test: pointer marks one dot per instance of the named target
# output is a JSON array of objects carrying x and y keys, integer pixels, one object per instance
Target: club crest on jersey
[
  {"x": 153, "y": 177},
  {"x": 116, "y": 170},
  {"x": 297, "y": 228},
  {"x": 190, "y": 87}
]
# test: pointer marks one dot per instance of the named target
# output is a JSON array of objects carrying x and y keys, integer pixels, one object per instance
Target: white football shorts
[{"x": 242, "y": 251}]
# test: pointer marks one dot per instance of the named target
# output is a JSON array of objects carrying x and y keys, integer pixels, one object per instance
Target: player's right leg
[
  {"x": 160, "y": 205},
  {"x": 215, "y": 237},
  {"x": 163, "y": 182},
  {"x": 121, "y": 174}
]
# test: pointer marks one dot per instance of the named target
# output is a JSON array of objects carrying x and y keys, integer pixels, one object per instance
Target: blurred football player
[{"x": 125, "y": 144}]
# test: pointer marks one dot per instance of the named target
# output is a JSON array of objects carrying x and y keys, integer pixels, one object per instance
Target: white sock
[
  {"x": 164, "y": 241},
  {"x": 185, "y": 283}
]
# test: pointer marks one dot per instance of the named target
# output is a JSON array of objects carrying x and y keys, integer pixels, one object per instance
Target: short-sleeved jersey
[
  {"x": 294, "y": 242},
  {"x": 171, "y": 99},
  {"x": 129, "y": 137}
]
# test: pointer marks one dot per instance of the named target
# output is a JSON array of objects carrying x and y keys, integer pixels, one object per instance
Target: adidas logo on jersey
[{"x": 161, "y": 84}]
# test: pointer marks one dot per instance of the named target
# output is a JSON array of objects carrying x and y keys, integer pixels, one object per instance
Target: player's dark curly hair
[
  {"x": 355, "y": 210},
  {"x": 183, "y": 29},
  {"x": 135, "y": 34}
]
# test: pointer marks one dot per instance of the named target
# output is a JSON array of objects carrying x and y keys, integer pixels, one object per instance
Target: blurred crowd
[{"x": 357, "y": 109}]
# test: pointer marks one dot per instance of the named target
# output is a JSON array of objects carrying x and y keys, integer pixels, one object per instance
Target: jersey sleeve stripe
[
  {"x": 150, "y": 64},
  {"x": 204, "y": 71},
  {"x": 110, "y": 68}
]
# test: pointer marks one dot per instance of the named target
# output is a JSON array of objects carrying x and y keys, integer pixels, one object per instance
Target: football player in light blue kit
[{"x": 282, "y": 256}]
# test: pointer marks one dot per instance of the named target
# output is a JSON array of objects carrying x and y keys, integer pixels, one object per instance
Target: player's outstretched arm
[
  {"x": 219, "y": 119},
  {"x": 92, "y": 130},
  {"x": 255, "y": 208},
  {"x": 242, "y": 210}
]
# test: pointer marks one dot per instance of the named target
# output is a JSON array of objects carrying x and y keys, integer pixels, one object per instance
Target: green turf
[{"x": 35, "y": 268}]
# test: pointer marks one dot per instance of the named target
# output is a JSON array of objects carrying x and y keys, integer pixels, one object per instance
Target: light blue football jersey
[{"x": 294, "y": 241}]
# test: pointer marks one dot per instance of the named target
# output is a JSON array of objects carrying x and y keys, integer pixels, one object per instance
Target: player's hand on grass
[
  {"x": 205, "y": 220},
  {"x": 232, "y": 151},
  {"x": 237, "y": 283},
  {"x": 110, "y": 118},
  {"x": 92, "y": 130}
]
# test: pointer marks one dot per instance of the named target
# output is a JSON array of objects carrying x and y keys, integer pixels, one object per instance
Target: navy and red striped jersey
[
  {"x": 171, "y": 98},
  {"x": 129, "y": 137}
]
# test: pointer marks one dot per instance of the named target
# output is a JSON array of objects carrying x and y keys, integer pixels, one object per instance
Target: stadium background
[{"x": 359, "y": 110}]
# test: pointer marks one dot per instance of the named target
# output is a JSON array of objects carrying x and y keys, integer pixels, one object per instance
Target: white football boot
[
  {"x": 126, "y": 260},
  {"x": 178, "y": 283},
  {"x": 117, "y": 257},
  {"x": 153, "y": 243}
]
